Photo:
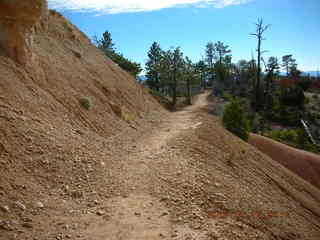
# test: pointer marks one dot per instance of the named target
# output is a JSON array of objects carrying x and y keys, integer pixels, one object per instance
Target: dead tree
[{"x": 260, "y": 29}]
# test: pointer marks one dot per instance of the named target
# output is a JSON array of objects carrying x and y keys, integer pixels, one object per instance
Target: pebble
[
  {"x": 137, "y": 214},
  {"x": 27, "y": 225},
  {"x": 5, "y": 226},
  {"x": 20, "y": 205},
  {"x": 39, "y": 205},
  {"x": 5, "y": 209},
  {"x": 164, "y": 214},
  {"x": 100, "y": 213}
]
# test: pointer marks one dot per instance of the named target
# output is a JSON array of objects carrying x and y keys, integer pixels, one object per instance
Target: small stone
[
  {"x": 5, "y": 209},
  {"x": 20, "y": 205},
  {"x": 27, "y": 225},
  {"x": 77, "y": 194},
  {"x": 26, "y": 219},
  {"x": 66, "y": 227},
  {"x": 162, "y": 235},
  {"x": 164, "y": 214},
  {"x": 164, "y": 199},
  {"x": 96, "y": 202},
  {"x": 217, "y": 184},
  {"x": 68, "y": 236},
  {"x": 100, "y": 213},
  {"x": 79, "y": 132},
  {"x": 174, "y": 235},
  {"x": 5, "y": 226},
  {"x": 39, "y": 205},
  {"x": 137, "y": 214}
]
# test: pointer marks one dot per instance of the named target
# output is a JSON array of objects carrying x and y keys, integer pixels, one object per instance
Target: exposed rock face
[{"x": 17, "y": 20}]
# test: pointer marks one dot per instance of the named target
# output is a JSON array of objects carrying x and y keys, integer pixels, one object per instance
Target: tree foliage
[
  {"x": 168, "y": 71},
  {"x": 235, "y": 120},
  {"x": 106, "y": 45},
  {"x": 153, "y": 66}
]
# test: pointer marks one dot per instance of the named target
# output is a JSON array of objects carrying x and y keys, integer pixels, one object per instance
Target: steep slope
[
  {"x": 49, "y": 143},
  {"x": 126, "y": 169},
  {"x": 305, "y": 164}
]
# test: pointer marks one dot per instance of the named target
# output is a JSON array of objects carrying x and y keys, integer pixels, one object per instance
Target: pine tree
[{"x": 153, "y": 67}]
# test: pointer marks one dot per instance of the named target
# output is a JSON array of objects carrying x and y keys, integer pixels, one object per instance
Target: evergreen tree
[
  {"x": 222, "y": 66},
  {"x": 201, "y": 69},
  {"x": 290, "y": 66},
  {"x": 221, "y": 52},
  {"x": 153, "y": 66},
  {"x": 189, "y": 72},
  {"x": 106, "y": 45},
  {"x": 210, "y": 60},
  {"x": 177, "y": 67}
]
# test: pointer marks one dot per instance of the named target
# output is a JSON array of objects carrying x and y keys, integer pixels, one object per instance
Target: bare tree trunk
[
  {"x": 174, "y": 97},
  {"x": 189, "y": 92},
  {"x": 259, "y": 35},
  {"x": 257, "y": 105}
]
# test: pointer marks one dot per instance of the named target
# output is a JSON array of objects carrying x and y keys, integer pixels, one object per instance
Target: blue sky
[{"x": 190, "y": 24}]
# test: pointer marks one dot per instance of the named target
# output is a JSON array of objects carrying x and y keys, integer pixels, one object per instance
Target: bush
[
  {"x": 235, "y": 121},
  {"x": 154, "y": 92},
  {"x": 306, "y": 101},
  {"x": 293, "y": 96},
  {"x": 227, "y": 96},
  {"x": 86, "y": 103},
  {"x": 256, "y": 122},
  {"x": 296, "y": 138},
  {"x": 286, "y": 136}
]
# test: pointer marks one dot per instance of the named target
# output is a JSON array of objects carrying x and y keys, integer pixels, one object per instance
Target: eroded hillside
[{"x": 126, "y": 168}]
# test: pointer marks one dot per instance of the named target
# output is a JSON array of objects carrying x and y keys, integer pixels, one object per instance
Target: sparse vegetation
[
  {"x": 86, "y": 103},
  {"x": 235, "y": 120},
  {"x": 294, "y": 137},
  {"x": 106, "y": 45}
]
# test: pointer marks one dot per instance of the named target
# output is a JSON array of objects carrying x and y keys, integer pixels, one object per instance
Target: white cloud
[{"x": 122, "y": 6}]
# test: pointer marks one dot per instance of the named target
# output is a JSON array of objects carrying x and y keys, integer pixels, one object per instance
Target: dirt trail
[{"x": 137, "y": 214}]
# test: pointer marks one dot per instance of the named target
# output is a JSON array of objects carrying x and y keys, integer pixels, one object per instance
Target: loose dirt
[{"x": 127, "y": 168}]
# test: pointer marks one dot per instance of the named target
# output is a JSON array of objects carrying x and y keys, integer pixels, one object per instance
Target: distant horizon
[{"x": 190, "y": 24}]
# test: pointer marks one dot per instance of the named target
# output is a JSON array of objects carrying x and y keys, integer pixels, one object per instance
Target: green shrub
[
  {"x": 227, "y": 96},
  {"x": 296, "y": 138},
  {"x": 256, "y": 122},
  {"x": 293, "y": 96},
  {"x": 234, "y": 119},
  {"x": 285, "y": 136},
  {"x": 306, "y": 101},
  {"x": 155, "y": 93},
  {"x": 86, "y": 103},
  {"x": 290, "y": 117}
]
